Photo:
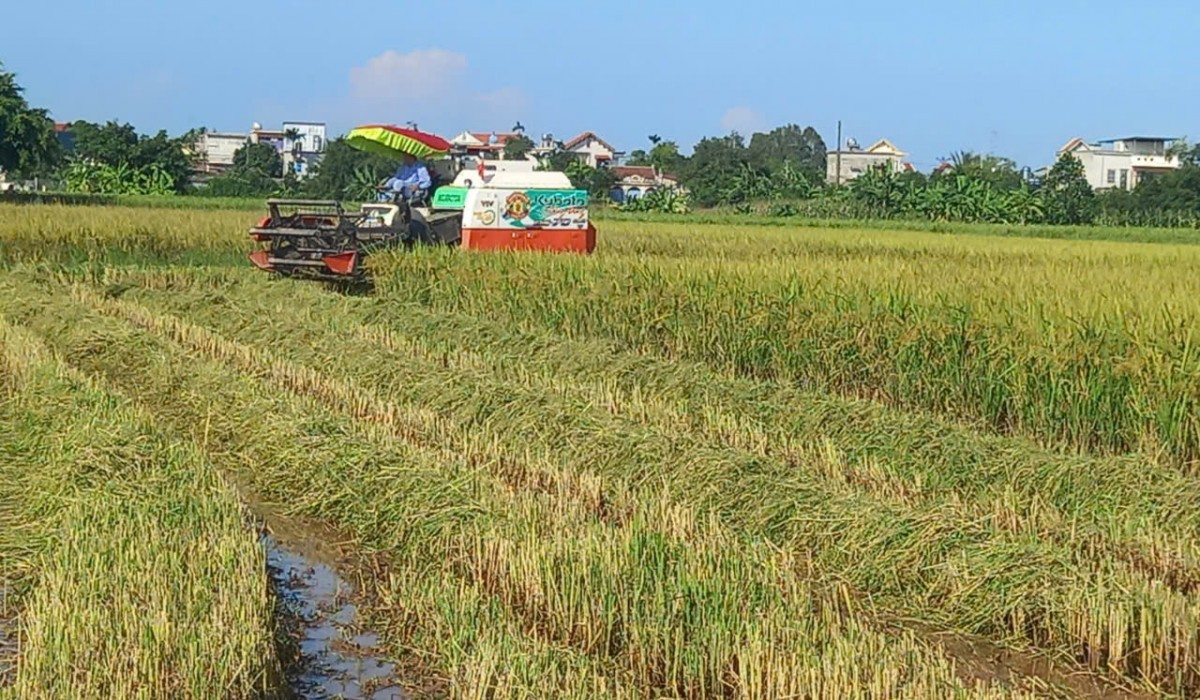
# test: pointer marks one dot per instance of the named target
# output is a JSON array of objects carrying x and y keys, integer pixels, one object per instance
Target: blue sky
[{"x": 1014, "y": 77}]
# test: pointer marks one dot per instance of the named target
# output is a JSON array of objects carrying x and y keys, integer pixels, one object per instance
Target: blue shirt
[{"x": 414, "y": 176}]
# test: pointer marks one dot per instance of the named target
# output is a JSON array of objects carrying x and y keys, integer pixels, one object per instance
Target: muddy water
[{"x": 337, "y": 657}]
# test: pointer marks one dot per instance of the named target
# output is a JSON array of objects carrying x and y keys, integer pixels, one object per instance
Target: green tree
[
  {"x": 256, "y": 166},
  {"x": 1001, "y": 173},
  {"x": 597, "y": 181},
  {"x": 881, "y": 191},
  {"x": 790, "y": 182},
  {"x": 171, "y": 155},
  {"x": 108, "y": 144},
  {"x": 558, "y": 160},
  {"x": 1185, "y": 152},
  {"x": 639, "y": 157},
  {"x": 663, "y": 155},
  {"x": 1068, "y": 197},
  {"x": 803, "y": 148},
  {"x": 27, "y": 142},
  {"x": 713, "y": 169},
  {"x": 517, "y": 147},
  {"x": 118, "y": 146},
  {"x": 348, "y": 173},
  {"x": 260, "y": 158},
  {"x": 1176, "y": 191}
]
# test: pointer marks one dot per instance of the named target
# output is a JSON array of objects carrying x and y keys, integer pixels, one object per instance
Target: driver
[{"x": 411, "y": 179}]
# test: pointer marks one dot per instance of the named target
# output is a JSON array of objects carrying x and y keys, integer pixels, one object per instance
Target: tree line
[{"x": 780, "y": 172}]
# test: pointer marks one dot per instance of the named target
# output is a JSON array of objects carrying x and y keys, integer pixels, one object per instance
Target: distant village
[
  {"x": 1108, "y": 164},
  {"x": 1111, "y": 164},
  {"x": 302, "y": 144}
]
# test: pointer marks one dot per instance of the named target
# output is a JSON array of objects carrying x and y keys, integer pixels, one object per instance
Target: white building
[
  {"x": 488, "y": 146},
  {"x": 215, "y": 150},
  {"x": 854, "y": 161},
  {"x": 592, "y": 149},
  {"x": 634, "y": 181},
  {"x": 1122, "y": 163},
  {"x": 303, "y": 146},
  {"x": 299, "y": 144}
]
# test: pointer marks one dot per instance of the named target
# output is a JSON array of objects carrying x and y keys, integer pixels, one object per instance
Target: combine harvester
[{"x": 477, "y": 211}]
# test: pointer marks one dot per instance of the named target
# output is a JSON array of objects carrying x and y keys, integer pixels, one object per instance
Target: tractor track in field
[
  {"x": 326, "y": 648},
  {"x": 319, "y": 585}
]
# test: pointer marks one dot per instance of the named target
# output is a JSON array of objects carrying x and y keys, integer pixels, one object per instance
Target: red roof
[
  {"x": 486, "y": 139},
  {"x": 580, "y": 139},
  {"x": 61, "y": 126},
  {"x": 1073, "y": 144},
  {"x": 643, "y": 171}
]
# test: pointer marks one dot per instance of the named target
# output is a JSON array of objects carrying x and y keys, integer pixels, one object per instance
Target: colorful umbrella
[{"x": 394, "y": 142}]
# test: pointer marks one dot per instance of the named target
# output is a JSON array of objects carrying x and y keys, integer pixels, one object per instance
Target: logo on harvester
[{"x": 516, "y": 207}]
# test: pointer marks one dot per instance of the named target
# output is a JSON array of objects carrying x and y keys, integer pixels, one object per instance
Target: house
[
  {"x": 851, "y": 162},
  {"x": 303, "y": 146},
  {"x": 488, "y": 146},
  {"x": 592, "y": 150},
  {"x": 299, "y": 144},
  {"x": 270, "y": 137},
  {"x": 1122, "y": 163},
  {"x": 215, "y": 149},
  {"x": 634, "y": 181}
]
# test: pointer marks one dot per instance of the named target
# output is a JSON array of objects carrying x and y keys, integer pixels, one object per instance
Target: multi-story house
[
  {"x": 1122, "y": 163},
  {"x": 854, "y": 161},
  {"x": 484, "y": 145},
  {"x": 593, "y": 150},
  {"x": 214, "y": 151}
]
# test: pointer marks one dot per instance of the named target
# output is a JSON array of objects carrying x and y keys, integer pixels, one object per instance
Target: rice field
[{"x": 710, "y": 461}]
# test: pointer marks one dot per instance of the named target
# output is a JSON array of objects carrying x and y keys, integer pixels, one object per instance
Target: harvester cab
[{"x": 489, "y": 207}]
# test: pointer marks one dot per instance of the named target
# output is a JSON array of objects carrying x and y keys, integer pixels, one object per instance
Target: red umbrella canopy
[{"x": 394, "y": 141}]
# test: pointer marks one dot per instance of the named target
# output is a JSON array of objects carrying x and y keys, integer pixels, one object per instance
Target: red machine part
[
  {"x": 262, "y": 260},
  {"x": 553, "y": 240},
  {"x": 342, "y": 263},
  {"x": 262, "y": 223}
]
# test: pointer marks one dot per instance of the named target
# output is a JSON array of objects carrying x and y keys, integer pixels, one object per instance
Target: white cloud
[
  {"x": 432, "y": 87},
  {"x": 743, "y": 120},
  {"x": 422, "y": 74}
]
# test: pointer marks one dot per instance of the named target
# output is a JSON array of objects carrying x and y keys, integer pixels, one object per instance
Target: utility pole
[{"x": 838, "y": 156}]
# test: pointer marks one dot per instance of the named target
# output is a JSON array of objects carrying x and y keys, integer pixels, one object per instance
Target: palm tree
[
  {"x": 958, "y": 159},
  {"x": 1180, "y": 149}
]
